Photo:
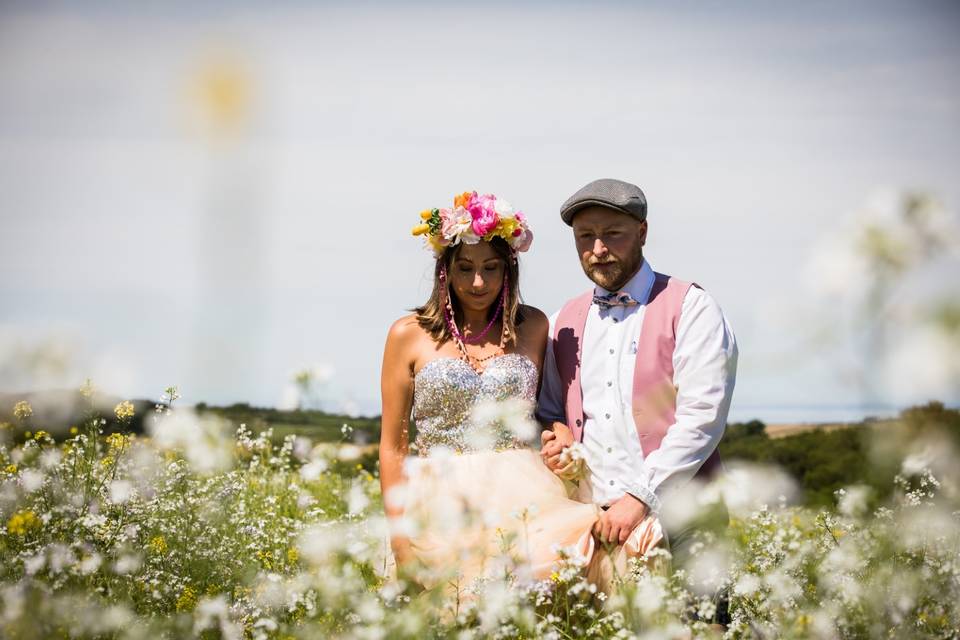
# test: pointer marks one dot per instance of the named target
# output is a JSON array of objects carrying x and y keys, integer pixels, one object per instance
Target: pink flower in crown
[
  {"x": 523, "y": 241},
  {"x": 484, "y": 213},
  {"x": 522, "y": 236},
  {"x": 457, "y": 225}
]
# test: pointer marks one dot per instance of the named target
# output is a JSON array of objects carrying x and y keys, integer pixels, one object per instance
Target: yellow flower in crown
[{"x": 474, "y": 217}]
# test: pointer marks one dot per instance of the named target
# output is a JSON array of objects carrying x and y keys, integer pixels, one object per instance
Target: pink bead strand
[{"x": 451, "y": 322}]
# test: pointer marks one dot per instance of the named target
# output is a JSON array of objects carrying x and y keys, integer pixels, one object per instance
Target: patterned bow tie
[{"x": 614, "y": 299}]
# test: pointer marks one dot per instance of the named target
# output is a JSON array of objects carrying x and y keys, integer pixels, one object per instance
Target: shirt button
[
  {"x": 611, "y": 483},
  {"x": 616, "y": 320},
  {"x": 609, "y": 383},
  {"x": 611, "y": 351},
  {"x": 609, "y": 449},
  {"x": 608, "y": 416}
]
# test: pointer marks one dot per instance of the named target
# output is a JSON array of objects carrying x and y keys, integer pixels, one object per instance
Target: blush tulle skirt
[{"x": 487, "y": 513}]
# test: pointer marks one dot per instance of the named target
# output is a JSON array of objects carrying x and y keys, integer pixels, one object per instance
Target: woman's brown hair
[{"x": 430, "y": 314}]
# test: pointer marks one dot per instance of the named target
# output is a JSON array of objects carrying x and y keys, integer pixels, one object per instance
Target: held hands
[
  {"x": 618, "y": 522},
  {"x": 569, "y": 463},
  {"x": 551, "y": 447}
]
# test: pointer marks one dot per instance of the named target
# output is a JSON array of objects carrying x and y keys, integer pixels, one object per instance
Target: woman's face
[{"x": 476, "y": 276}]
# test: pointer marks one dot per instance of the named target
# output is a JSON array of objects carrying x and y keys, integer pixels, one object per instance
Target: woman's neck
[{"x": 474, "y": 321}]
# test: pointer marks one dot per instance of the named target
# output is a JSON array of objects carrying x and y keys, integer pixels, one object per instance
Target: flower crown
[{"x": 474, "y": 218}]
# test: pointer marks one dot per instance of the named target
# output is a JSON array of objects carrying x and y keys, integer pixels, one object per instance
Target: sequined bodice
[{"x": 448, "y": 396}]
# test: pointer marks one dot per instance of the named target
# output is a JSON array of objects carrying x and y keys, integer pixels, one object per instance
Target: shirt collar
[{"x": 638, "y": 286}]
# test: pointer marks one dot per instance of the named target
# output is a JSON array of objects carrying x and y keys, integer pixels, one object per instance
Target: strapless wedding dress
[{"x": 479, "y": 499}]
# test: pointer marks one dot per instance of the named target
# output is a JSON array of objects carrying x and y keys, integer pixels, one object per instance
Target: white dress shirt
[{"x": 704, "y": 362}]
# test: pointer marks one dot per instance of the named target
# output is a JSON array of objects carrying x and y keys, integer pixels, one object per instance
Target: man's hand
[
  {"x": 617, "y": 522},
  {"x": 551, "y": 446}
]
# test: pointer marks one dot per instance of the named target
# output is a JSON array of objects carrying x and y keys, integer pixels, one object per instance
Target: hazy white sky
[{"x": 145, "y": 253}]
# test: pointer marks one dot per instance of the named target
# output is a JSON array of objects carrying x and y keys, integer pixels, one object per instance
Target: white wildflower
[
  {"x": 313, "y": 470},
  {"x": 33, "y": 564},
  {"x": 126, "y": 564},
  {"x": 357, "y": 499},
  {"x": 31, "y": 480},
  {"x": 203, "y": 440},
  {"x": 120, "y": 491},
  {"x": 90, "y": 564},
  {"x": 318, "y": 542},
  {"x": 349, "y": 452},
  {"x": 853, "y": 502}
]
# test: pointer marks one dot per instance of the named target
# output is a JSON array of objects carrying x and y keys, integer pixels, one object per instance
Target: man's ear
[{"x": 642, "y": 230}]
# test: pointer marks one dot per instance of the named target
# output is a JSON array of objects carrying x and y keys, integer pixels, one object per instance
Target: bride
[{"x": 477, "y": 497}]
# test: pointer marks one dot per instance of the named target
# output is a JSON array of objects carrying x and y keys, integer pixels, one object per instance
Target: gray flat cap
[{"x": 614, "y": 194}]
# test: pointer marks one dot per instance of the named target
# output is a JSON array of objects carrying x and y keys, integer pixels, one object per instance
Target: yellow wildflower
[
  {"x": 293, "y": 555},
  {"x": 11, "y": 468},
  {"x": 420, "y": 229},
  {"x": 22, "y": 410},
  {"x": 158, "y": 545},
  {"x": 87, "y": 389},
  {"x": 74, "y": 431},
  {"x": 265, "y": 559},
  {"x": 554, "y": 577},
  {"x": 116, "y": 440},
  {"x": 22, "y": 522},
  {"x": 187, "y": 600},
  {"x": 42, "y": 435},
  {"x": 426, "y": 214},
  {"x": 124, "y": 411}
]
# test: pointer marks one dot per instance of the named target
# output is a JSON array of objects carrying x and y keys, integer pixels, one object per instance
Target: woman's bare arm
[{"x": 396, "y": 388}]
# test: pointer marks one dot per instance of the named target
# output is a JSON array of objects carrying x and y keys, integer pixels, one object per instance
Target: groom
[{"x": 640, "y": 370}]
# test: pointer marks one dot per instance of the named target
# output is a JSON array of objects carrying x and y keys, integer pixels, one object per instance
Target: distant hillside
[
  {"x": 55, "y": 411},
  {"x": 317, "y": 425},
  {"x": 824, "y": 459}
]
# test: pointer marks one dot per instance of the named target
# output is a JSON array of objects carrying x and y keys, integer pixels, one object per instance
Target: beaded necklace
[{"x": 476, "y": 363}]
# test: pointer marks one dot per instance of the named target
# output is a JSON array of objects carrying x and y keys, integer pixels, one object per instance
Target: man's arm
[
  {"x": 705, "y": 366},
  {"x": 550, "y": 410}
]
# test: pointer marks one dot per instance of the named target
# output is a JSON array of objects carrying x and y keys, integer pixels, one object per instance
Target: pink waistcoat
[{"x": 654, "y": 394}]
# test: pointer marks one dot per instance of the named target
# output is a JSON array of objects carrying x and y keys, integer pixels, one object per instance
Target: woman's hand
[
  {"x": 553, "y": 442},
  {"x": 402, "y": 550}
]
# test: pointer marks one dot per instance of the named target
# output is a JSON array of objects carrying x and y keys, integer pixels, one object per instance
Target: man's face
[{"x": 610, "y": 245}]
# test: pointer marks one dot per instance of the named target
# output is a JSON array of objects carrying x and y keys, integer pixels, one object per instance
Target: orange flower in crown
[{"x": 473, "y": 218}]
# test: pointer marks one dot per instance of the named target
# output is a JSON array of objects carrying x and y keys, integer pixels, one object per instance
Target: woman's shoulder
[
  {"x": 533, "y": 315},
  {"x": 406, "y": 329},
  {"x": 534, "y": 320}
]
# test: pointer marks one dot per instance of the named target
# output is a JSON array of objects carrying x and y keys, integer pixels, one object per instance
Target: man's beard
[{"x": 617, "y": 274}]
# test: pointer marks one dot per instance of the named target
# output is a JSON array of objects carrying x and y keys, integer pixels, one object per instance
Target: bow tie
[{"x": 614, "y": 299}]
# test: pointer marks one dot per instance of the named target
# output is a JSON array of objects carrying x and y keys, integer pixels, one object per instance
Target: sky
[{"x": 219, "y": 196}]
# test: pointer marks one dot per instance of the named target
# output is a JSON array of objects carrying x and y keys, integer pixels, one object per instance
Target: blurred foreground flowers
[{"x": 199, "y": 532}]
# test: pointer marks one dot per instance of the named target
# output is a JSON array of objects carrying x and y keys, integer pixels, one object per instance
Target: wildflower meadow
[{"x": 203, "y": 529}]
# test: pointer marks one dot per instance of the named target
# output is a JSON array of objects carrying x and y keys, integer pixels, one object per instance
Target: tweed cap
[{"x": 614, "y": 194}]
